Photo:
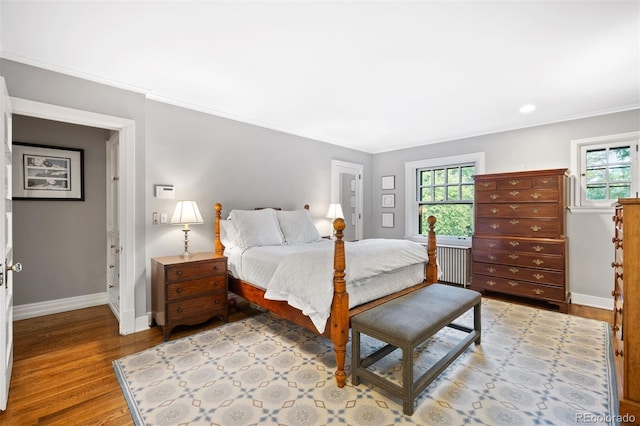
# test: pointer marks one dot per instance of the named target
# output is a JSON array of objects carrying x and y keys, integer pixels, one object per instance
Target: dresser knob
[
  {"x": 179, "y": 310},
  {"x": 217, "y": 302},
  {"x": 179, "y": 273},
  {"x": 179, "y": 290}
]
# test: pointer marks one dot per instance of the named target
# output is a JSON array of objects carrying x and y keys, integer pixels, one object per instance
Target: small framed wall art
[
  {"x": 42, "y": 172},
  {"x": 389, "y": 182},
  {"x": 388, "y": 200},
  {"x": 387, "y": 220}
]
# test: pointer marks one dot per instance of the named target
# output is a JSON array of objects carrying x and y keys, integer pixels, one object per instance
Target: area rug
[{"x": 534, "y": 367}]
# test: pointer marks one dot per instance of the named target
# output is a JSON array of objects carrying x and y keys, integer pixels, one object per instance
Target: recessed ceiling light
[{"x": 527, "y": 108}]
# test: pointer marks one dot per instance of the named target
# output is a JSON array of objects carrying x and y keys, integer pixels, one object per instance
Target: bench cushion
[{"x": 416, "y": 316}]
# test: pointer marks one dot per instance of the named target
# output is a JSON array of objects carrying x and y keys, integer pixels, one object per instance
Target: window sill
[{"x": 591, "y": 210}]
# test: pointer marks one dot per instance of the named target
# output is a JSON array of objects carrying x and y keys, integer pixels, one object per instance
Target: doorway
[
  {"x": 347, "y": 189},
  {"x": 125, "y": 129}
]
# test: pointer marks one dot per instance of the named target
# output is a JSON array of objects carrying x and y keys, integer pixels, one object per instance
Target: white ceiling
[{"x": 369, "y": 75}]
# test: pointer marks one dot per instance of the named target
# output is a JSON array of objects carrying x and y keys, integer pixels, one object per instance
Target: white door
[
  {"x": 113, "y": 227},
  {"x": 6, "y": 251},
  {"x": 348, "y": 190}
]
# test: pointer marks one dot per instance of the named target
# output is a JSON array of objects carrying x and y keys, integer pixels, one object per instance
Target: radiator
[{"x": 454, "y": 264}]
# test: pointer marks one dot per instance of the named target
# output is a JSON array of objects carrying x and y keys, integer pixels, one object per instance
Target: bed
[{"x": 254, "y": 238}]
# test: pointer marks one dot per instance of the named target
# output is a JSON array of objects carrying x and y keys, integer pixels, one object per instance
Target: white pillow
[
  {"x": 297, "y": 227},
  {"x": 229, "y": 234},
  {"x": 257, "y": 227}
]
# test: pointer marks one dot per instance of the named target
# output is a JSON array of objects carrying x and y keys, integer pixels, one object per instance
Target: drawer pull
[
  {"x": 179, "y": 273},
  {"x": 538, "y": 261},
  {"x": 495, "y": 226},
  {"x": 179, "y": 310},
  {"x": 514, "y": 270},
  {"x": 513, "y": 283},
  {"x": 535, "y": 228},
  {"x": 514, "y": 221},
  {"x": 619, "y": 353},
  {"x": 492, "y": 245},
  {"x": 494, "y": 196},
  {"x": 494, "y": 210},
  {"x": 491, "y": 283},
  {"x": 535, "y": 195},
  {"x": 486, "y": 184},
  {"x": 538, "y": 291},
  {"x": 538, "y": 248},
  {"x": 546, "y": 180},
  {"x": 513, "y": 256},
  {"x": 514, "y": 243},
  {"x": 536, "y": 210},
  {"x": 514, "y": 182},
  {"x": 179, "y": 290},
  {"x": 538, "y": 276},
  {"x": 491, "y": 270},
  {"x": 514, "y": 193},
  {"x": 514, "y": 206},
  {"x": 491, "y": 257},
  {"x": 217, "y": 302}
]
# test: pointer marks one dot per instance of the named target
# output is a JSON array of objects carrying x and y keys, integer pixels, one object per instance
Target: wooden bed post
[
  {"x": 340, "y": 305},
  {"x": 218, "y": 248},
  {"x": 432, "y": 265}
]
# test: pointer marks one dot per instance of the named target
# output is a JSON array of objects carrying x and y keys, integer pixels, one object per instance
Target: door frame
[{"x": 126, "y": 207}]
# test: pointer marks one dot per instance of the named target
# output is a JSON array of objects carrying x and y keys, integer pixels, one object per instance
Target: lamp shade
[
  {"x": 186, "y": 212},
  {"x": 335, "y": 211}
]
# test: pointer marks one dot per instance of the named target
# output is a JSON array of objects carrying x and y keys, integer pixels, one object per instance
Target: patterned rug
[{"x": 534, "y": 367}]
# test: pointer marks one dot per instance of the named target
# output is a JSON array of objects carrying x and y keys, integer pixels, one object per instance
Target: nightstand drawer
[
  {"x": 195, "y": 270},
  {"x": 195, "y": 287},
  {"x": 196, "y": 306}
]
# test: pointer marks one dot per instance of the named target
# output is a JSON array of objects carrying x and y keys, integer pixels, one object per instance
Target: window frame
[
  {"x": 579, "y": 148},
  {"x": 411, "y": 193}
]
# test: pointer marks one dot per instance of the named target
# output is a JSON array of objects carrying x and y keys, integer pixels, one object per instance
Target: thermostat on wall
[{"x": 165, "y": 191}]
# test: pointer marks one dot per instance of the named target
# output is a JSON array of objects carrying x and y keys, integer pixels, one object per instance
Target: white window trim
[
  {"x": 411, "y": 191},
  {"x": 577, "y": 145}
]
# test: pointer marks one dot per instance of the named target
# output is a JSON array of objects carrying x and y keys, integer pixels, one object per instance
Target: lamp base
[{"x": 186, "y": 254}]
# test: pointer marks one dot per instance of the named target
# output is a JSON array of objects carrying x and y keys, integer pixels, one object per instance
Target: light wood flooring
[{"x": 63, "y": 374}]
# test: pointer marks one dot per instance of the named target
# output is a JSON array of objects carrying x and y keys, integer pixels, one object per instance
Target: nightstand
[{"x": 188, "y": 291}]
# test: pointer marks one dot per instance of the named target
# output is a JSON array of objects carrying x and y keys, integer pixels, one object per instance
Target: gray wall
[
  {"x": 215, "y": 160},
  {"x": 542, "y": 147},
  {"x": 62, "y": 244}
]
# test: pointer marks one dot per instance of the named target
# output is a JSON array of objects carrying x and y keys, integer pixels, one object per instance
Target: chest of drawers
[
  {"x": 626, "y": 296},
  {"x": 188, "y": 291},
  {"x": 519, "y": 246}
]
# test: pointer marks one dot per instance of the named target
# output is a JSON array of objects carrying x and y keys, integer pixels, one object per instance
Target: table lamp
[{"x": 186, "y": 213}]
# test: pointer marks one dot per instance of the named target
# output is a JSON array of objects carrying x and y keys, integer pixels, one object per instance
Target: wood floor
[{"x": 63, "y": 372}]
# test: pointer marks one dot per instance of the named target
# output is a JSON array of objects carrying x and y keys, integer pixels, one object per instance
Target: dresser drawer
[
  {"x": 518, "y": 195},
  {"x": 531, "y": 260},
  {"x": 520, "y": 273},
  {"x": 195, "y": 269},
  {"x": 520, "y": 210},
  {"x": 519, "y": 288},
  {"x": 541, "y": 246},
  {"x": 542, "y": 228},
  {"x": 196, "y": 287},
  {"x": 196, "y": 306}
]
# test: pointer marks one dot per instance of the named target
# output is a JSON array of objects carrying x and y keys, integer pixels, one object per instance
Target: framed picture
[
  {"x": 388, "y": 182},
  {"x": 42, "y": 172},
  {"x": 387, "y": 220},
  {"x": 388, "y": 200}
]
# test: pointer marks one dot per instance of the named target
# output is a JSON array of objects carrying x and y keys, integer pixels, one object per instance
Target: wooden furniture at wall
[
  {"x": 519, "y": 244},
  {"x": 188, "y": 290},
  {"x": 626, "y": 296}
]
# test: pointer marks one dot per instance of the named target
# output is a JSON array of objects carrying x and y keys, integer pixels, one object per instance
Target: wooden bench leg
[
  {"x": 477, "y": 321},
  {"x": 355, "y": 356},
  {"x": 407, "y": 380}
]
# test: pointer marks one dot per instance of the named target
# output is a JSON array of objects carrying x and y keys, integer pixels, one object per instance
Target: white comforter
[{"x": 305, "y": 279}]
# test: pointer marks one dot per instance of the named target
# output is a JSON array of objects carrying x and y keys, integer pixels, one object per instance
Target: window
[
  {"x": 606, "y": 169},
  {"x": 447, "y": 194},
  {"x": 442, "y": 187}
]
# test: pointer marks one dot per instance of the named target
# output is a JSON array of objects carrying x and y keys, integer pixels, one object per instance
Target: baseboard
[
  {"x": 49, "y": 307},
  {"x": 592, "y": 301}
]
